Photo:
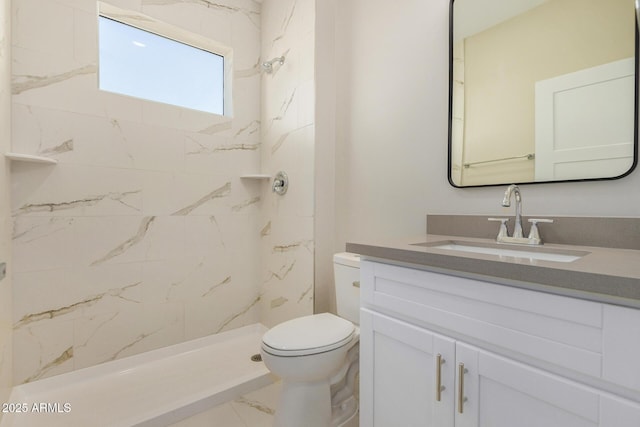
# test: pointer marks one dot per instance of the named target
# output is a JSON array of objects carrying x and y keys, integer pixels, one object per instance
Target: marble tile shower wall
[
  {"x": 6, "y": 335},
  {"x": 288, "y": 100},
  {"x": 143, "y": 235}
]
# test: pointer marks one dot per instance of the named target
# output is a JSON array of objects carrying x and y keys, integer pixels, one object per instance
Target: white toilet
[{"x": 317, "y": 358}]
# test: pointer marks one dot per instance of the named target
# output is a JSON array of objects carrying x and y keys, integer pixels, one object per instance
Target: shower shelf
[
  {"x": 30, "y": 158},
  {"x": 256, "y": 176}
]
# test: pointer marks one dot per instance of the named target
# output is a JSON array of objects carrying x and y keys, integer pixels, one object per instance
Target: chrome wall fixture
[
  {"x": 268, "y": 65},
  {"x": 280, "y": 183}
]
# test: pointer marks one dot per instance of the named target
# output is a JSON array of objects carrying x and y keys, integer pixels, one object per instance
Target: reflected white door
[{"x": 584, "y": 123}]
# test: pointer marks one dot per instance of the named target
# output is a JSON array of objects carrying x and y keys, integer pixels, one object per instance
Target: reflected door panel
[{"x": 583, "y": 123}]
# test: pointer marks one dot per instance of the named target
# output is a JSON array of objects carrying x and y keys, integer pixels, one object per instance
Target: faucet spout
[{"x": 506, "y": 202}]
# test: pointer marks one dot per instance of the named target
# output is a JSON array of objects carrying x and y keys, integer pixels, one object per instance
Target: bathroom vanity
[{"x": 454, "y": 337}]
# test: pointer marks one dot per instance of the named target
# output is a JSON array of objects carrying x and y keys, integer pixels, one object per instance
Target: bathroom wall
[
  {"x": 5, "y": 212},
  {"x": 391, "y": 131},
  {"x": 143, "y": 234},
  {"x": 391, "y": 95},
  {"x": 325, "y": 156},
  {"x": 288, "y": 141}
]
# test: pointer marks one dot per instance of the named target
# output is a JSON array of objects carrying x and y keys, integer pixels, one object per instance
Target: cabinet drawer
[{"x": 562, "y": 331}]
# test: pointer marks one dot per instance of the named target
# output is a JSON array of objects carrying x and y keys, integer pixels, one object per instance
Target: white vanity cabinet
[
  {"x": 398, "y": 374},
  {"x": 500, "y": 356}
]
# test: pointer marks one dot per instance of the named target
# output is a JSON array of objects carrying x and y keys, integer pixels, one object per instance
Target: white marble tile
[
  {"x": 46, "y": 80},
  {"x": 288, "y": 144},
  {"x": 276, "y": 19},
  {"x": 196, "y": 17},
  {"x": 191, "y": 194},
  {"x": 69, "y": 293},
  {"x": 220, "y": 234},
  {"x": 82, "y": 5},
  {"x": 42, "y": 350},
  {"x": 306, "y": 109},
  {"x": 37, "y": 242},
  {"x": 214, "y": 154},
  {"x": 110, "y": 336},
  {"x": 254, "y": 409},
  {"x": 85, "y": 22},
  {"x": 287, "y": 278},
  {"x": 134, "y": 5},
  {"x": 222, "y": 415},
  {"x": 202, "y": 319},
  {"x": 160, "y": 114},
  {"x": 165, "y": 239},
  {"x": 245, "y": 37},
  {"x": 169, "y": 280},
  {"x": 246, "y": 109},
  {"x": 54, "y": 22},
  {"x": 257, "y": 409},
  {"x": 31, "y": 134},
  {"x": 281, "y": 117},
  {"x": 120, "y": 107},
  {"x": 123, "y": 239},
  {"x": 6, "y": 298},
  {"x": 68, "y": 190},
  {"x": 160, "y": 235},
  {"x": 70, "y": 137},
  {"x": 209, "y": 235},
  {"x": 286, "y": 152},
  {"x": 223, "y": 304},
  {"x": 152, "y": 147},
  {"x": 206, "y": 123},
  {"x": 6, "y": 344}
]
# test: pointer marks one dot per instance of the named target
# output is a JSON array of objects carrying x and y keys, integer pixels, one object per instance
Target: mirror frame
[{"x": 450, "y": 119}]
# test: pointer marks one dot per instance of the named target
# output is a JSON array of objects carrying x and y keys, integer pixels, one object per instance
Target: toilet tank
[{"x": 346, "y": 270}]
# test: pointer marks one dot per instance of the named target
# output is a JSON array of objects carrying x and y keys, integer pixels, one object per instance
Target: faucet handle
[
  {"x": 534, "y": 234},
  {"x": 503, "y": 226}
]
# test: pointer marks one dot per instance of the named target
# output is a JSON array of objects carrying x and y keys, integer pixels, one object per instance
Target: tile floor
[{"x": 255, "y": 409}]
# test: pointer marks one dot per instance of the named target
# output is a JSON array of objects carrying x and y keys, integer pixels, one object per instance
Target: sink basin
[{"x": 506, "y": 250}]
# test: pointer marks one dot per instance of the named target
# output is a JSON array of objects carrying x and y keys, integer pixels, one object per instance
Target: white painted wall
[
  {"x": 391, "y": 60},
  {"x": 391, "y": 113},
  {"x": 325, "y": 156}
]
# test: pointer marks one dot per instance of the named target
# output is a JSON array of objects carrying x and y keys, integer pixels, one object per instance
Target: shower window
[{"x": 142, "y": 63}]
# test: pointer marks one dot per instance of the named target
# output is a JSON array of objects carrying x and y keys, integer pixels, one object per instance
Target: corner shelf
[
  {"x": 255, "y": 176},
  {"x": 30, "y": 158}
]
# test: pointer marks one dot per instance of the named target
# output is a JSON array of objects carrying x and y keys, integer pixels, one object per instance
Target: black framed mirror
[{"x": 542, "y": 91}]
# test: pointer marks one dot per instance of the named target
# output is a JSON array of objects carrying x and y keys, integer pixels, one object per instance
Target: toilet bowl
[{"x": 317, "y": 358}]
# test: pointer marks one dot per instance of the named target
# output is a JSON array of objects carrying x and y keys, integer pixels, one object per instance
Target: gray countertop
[{"x": 607, "y": 275}]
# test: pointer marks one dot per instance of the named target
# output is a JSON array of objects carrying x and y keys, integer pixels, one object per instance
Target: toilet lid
[{"x": 308, "y": 335}]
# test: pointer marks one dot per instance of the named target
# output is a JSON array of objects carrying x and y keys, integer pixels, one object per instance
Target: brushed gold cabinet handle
[
  {"x": 439, "y": 387},
  {"x": 461, "y": 372},
  {"x": 356, "y": 284}
]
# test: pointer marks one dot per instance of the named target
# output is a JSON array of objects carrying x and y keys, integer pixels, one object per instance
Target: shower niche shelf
[
  {"x": 255, "y": 176},
  {"x": 19, "y": 157}
]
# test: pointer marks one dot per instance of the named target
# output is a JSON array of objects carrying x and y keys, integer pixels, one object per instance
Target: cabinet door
[
  {"x": 399, "y": 374},
  {"x": 499, "y": 392},
  {"x": 618, "y": 412}
]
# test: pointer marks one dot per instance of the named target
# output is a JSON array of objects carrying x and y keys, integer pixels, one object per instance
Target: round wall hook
[{"x": 280, "y": 183}]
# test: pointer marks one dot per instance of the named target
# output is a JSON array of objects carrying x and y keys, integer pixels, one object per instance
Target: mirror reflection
[{"x": 542, "y": 91}]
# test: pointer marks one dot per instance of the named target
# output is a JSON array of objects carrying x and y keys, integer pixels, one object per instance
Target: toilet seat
[{"x": 308, "y": 335}]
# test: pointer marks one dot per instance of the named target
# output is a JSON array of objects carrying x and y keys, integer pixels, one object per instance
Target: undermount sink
[{"x": 506, "y": 250}]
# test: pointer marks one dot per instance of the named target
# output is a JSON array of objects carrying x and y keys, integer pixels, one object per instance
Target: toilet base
[{"x": 308, "y": 404}]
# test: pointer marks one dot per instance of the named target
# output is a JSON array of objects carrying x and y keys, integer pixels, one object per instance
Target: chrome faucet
[
  {"x": 506, "y": 202},
  {"x": 517, "y": 236}
]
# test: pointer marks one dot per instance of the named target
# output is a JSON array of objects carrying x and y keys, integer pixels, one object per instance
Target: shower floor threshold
[{"x": 156, "y": 388}]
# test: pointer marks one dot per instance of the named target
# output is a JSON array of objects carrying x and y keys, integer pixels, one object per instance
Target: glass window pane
[{"x": 142, "y": 64}]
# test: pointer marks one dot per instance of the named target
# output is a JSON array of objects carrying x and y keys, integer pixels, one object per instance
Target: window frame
[{"x": 177, "y": 34}]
